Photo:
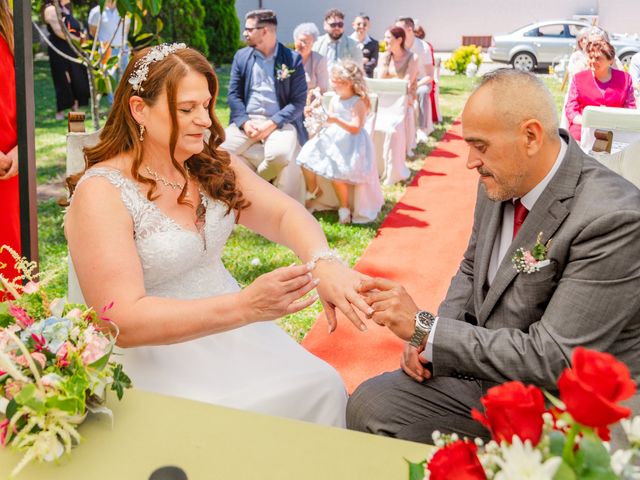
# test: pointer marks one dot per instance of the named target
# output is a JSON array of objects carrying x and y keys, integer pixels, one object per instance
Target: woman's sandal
[{"x": 313, "y": 195}]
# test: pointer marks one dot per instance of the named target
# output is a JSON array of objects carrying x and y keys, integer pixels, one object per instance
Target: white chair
[
  {"x": 625, "y": 162},
  {"x": 623, "y": 122},
  {"x": 394, "y": 129},
  {"x": 76, "y": 142}
]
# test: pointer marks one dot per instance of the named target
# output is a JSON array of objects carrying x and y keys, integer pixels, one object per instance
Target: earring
[{"x": 141, "y": 133}]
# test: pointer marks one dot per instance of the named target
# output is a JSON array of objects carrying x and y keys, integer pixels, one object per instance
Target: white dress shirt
[{"x": 505, "y": 234}]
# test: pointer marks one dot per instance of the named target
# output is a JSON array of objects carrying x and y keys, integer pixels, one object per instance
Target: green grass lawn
[{"x": 243, "y": 246}]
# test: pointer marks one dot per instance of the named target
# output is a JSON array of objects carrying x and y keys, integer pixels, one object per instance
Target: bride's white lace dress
[{"x": 257, "y": 367}]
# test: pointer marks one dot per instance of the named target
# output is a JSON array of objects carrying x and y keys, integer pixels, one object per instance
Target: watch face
[{"x": 425, "y": 318}]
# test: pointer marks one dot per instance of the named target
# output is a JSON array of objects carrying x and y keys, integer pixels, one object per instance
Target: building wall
[{"x": 446, "y": 21}]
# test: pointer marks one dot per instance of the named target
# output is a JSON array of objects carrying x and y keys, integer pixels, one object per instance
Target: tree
[
  {"x": 183, "y": 22},
  {"x": 222, "y": 29},
  {"x": 93, "y": 58}
]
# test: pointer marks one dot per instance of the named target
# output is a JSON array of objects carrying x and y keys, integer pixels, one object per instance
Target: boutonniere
[
  {"x": 529, "y": 261},
  {"x": 283, "y": 72}
]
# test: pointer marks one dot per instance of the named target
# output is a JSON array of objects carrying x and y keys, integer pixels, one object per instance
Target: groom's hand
[
  {"x": 412, "y": 363},
  {"x": 392, "y": 306}
]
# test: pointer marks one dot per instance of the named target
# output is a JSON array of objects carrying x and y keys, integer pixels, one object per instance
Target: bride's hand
[
  {"x": 279, "y": 293},
  {"x": 339, "y": 288}
]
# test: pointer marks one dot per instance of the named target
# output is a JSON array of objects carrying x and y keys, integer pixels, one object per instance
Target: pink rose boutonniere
[
  {"x": 529, "y": 261},
  {"x": 283, "y": 72}
]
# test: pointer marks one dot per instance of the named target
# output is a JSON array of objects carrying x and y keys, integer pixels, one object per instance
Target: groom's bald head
[{"x": 515, "y": 97}]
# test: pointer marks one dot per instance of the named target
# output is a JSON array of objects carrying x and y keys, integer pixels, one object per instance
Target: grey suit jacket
[{"x": 525, "y": 326}]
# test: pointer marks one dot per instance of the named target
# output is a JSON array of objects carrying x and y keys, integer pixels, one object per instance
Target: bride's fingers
[
  {"x": 298, "y": 282},
  {"x": 349, "y": 312},
  {"x": 359, "y": 302},
  {"x": 330, "y": 313},
  {"x": 302, "y": 291},
  {"x": 301, "y": 304},
  {"x": 289, "y": 273}
]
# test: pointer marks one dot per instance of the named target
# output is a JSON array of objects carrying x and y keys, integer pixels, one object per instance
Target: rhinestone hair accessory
[{"x": 157, "y": 53}]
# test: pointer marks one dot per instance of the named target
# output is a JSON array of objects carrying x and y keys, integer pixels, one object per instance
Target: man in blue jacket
[{"x": 267, "y": 95}]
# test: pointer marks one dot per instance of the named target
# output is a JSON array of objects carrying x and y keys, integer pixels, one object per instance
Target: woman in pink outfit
[{"x": 601, "y": 85}]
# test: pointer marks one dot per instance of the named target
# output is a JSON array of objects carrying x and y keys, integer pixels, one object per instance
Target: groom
[{"x": 496, "y": 323}]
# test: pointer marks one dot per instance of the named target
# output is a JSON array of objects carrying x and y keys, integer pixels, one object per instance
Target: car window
[
  {"x": 531, "y": 33},
  {"x": 551, "y": 31},
  {"x": 574, "y": 29}
]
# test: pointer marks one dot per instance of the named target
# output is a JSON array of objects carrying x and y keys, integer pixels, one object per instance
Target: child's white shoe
[{"x": 344, "y": 215}]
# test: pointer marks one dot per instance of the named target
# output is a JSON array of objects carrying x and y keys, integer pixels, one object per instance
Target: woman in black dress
[{"x": 69, "y": 78}]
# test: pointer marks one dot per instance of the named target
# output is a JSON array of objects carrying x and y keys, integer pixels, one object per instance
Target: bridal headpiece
[{"x": 157, "y": 53}]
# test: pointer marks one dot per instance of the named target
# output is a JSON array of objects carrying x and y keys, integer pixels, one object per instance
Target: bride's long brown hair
[{"x": 120, "y": 134}]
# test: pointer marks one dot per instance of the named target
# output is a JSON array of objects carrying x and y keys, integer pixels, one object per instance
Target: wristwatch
[{"x": 424, "y": 324}]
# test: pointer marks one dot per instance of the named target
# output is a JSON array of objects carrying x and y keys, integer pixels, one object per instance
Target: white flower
[
  {"x": 521, "y": 461},
  {"x": 632, "y": 429},
  {"x": 620, "y": 459},
  {"x": 255, "y": 262}
]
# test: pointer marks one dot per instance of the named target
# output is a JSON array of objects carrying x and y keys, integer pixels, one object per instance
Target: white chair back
[
  {"x": 76, "y": 142},
  {"x": 623, "y": 122},
  {"x": 625, "y": 162}
]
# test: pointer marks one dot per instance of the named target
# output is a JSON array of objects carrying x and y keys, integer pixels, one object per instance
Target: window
[{"x": 551, "y": 31}]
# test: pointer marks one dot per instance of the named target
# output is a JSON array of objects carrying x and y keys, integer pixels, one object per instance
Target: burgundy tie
[{"x": 519, "y": 214}]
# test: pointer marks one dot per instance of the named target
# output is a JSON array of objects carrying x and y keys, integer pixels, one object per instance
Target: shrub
[
  {"x": 183, "y": 21},
  {"x": 462, "y": 57},
  {"x": 221, "y": 29}
]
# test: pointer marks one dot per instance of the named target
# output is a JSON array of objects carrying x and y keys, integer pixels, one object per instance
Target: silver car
[{"x": 540, "y": 44}]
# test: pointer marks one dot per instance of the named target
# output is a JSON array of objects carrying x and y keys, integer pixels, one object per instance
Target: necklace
[{"x": 159, "y": 178}]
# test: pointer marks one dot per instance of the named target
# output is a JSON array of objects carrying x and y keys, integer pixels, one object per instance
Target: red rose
[
  {"x": 592, "y": 388},
  {"x": 512, "y": 409},
  {"x": 457, "y": 461}
]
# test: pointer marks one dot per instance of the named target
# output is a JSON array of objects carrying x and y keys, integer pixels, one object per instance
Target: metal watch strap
[{"x": 424, "y": 322}]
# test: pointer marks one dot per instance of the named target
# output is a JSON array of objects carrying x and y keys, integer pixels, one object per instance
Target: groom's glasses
[{"x": 337, "y": 25}]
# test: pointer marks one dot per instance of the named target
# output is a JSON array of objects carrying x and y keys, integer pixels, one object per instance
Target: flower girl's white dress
[
  {"x": 257, "y": 367},
  {"x": 335, "y": 154}
]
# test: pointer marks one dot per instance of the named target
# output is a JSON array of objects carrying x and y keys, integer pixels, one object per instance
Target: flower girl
[{"x": 342, "y": 153}]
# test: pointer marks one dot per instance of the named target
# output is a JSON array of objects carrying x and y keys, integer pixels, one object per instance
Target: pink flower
[
  {"x": 31, "y": 287},
  {"x": 21, "y": 316},
  {"x": 11, "y": 389},
  {"x": 37, "y": 357},
  {"x": 95, "y": 348},
  {"x": 63, "y": 355},
  {"x": 4, "y": 430},
  {"x": 529, "y": 259},
  {"x": 74, "y": 313}
]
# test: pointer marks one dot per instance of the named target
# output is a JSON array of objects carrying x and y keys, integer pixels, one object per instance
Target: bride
[{"x": 147, "y": 222}]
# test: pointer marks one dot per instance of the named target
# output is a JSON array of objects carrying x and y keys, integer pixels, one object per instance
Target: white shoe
[{"x": 344, "y": 216}]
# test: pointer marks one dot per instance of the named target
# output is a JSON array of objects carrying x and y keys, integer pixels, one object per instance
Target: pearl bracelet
[{"x": 330, "y": 255}]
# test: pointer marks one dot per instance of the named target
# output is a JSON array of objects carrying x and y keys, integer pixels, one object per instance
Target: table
[{"x": 212, "y": 442}]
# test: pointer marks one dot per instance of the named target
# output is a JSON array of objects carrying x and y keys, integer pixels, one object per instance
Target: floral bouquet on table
[
  {"x": 566, "y": 442},
  {"x": 55, "y": 366}
]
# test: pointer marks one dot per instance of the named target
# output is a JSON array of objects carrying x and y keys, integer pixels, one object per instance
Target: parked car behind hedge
[{"x": 540, "y": 44}]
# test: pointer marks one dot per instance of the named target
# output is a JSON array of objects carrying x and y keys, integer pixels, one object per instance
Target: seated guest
[
  {"x": 398, "y": 62},
  {"x": 267, "y": 95},
  {"x": 426, "y": 69},
  {"x": 334, "y": 45},
  {"x": 420, "y": 33},
  {"x": 343, "y": 152},
  {"x": 315, "y": 65},
  {"x": 601, "y": 85},
  {"x": 498, "y": 323},
  {"x": 634, "y": 71},
  {"x": 370, "y": 47}
]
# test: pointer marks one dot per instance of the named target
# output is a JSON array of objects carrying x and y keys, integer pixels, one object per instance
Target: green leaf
[
  {"x": 416, "y": 470},
  {"x": 71, "y": 405},
  {"x": 6, "y": 318},
  {"x": 28, "y": 397},
  {"x": 143, "y": 37},
  {"x": 12, "y": 408},
  {"x": 556, "y": 443},
  {"x": 120, "y": 381},
  {"x": 155, "y": 7},
  {"x": 564, "y": 472},
  {"x": 593, "y": 461},
  {"x": 100, "y": 363},
  {"x": 113, "y": 61}
]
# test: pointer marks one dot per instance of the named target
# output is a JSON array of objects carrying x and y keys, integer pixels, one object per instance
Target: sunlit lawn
[{"x": 243, "y": 246}]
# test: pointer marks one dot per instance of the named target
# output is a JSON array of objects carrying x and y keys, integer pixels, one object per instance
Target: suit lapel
[
  {"x": 484, "y": 247},
  {"x": 547, "y": 215},
  {"x": 248, "y": 72},
  {"x": 279, "y": 60}
]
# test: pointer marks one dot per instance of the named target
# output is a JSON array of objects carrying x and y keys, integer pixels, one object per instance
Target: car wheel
[
  {"x": 523, "y": 61},
  {"x": 626, "y": 58}
]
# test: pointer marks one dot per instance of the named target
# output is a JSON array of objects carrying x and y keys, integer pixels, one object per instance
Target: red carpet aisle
[{"x": 420, "y": 245}]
